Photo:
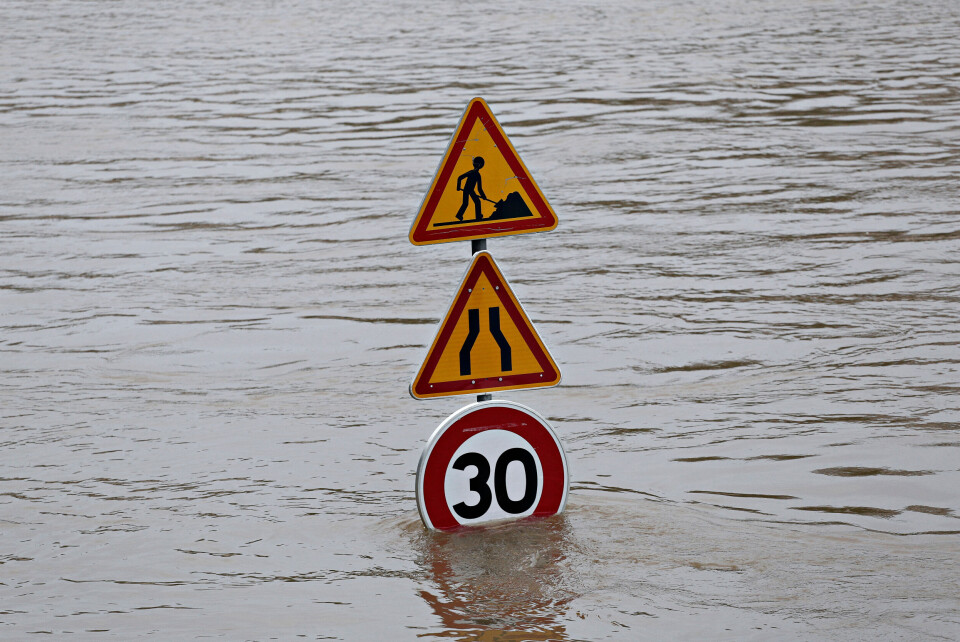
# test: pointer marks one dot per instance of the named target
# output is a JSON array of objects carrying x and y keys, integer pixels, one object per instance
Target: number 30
[{"x": 478, "y": 483}]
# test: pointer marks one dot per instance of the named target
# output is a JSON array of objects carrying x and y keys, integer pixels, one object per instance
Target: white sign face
[
  {"x": 488, "y": 462},
  {"x": 493, "y": 475}
]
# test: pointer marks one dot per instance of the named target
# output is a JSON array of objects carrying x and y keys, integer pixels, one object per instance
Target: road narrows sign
[
  {"x": 491, "y": 461},
  {"x": 485, "y": 342},
  {"x": 482, "y": 189}
]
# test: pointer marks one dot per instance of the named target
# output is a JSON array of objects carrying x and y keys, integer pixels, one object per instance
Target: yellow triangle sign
[
  {"x": 485, "y": 342},
  {"x": 482, "y": 189}
]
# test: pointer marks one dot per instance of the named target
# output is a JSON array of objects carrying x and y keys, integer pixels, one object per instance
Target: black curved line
[
  {"x": 506, "y": 355},
  {"x": 473, "y": 319}
]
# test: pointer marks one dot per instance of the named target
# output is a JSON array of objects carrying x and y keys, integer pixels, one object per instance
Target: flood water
[{"x": 210, "y": 315}]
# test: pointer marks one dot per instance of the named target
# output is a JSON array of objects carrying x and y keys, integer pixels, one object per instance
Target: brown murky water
[{"x": 211, "y": 313}]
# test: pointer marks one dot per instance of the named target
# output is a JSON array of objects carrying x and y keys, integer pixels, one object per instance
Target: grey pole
[{"x": 478, "y": 245}]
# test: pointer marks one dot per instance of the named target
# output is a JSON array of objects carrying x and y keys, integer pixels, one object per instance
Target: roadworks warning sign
[{"x": 482, "y": 189}]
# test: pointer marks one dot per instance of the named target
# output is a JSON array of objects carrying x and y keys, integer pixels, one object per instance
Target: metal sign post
[{"x": 480, "y": 245}]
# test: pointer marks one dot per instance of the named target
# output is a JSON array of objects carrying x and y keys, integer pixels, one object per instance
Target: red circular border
[{"x": 509, "y": 418}]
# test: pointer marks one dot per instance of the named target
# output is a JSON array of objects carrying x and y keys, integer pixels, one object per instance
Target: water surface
[{"x": 210, "y": 314}]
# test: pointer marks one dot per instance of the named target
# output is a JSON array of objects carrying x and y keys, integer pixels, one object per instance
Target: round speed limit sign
[{"x": 491, "y": 461}]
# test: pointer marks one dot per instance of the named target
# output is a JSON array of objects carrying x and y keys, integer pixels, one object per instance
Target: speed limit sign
[{"x": 491, "y": 461}]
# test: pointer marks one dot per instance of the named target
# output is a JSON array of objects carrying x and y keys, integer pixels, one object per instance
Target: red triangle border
[
  {"x": 547, "y": 220},
  {"x": 548, "y": 375}
]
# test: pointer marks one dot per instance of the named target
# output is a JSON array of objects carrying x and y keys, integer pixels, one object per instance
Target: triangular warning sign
[
  {"x": 482, "y": 188},
  {"x": 485, "y": 342}
]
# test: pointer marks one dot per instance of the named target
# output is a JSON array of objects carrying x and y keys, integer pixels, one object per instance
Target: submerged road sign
[
  {"x": 485, "y": 342},
  {"x": 482, "y": 188},
  {"x": 491, "y": 461}
]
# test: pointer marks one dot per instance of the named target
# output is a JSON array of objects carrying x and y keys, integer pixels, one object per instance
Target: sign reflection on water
[{"x": 501, "y": 583}]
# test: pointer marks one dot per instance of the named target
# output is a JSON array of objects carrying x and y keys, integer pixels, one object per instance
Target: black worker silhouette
[
  {"x": 513, "y": 206},
  {"x": 472, "y": 181}
]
